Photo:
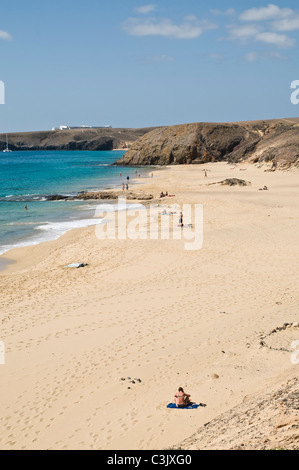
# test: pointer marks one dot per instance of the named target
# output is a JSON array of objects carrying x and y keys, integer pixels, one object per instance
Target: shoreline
[
  {"x": 84, "y": 193},
  {"x": 6, "y": 260},
  {"x": 148, "y": 310},
  {"x": 10, "y": 257}
]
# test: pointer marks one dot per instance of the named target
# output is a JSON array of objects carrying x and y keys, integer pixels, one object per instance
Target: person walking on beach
[
  {"x": 123, "y": 186},
  {"x": 181, "y": 222},
  {"x": 127, "y": 187},
  {"x": 181, "y": 398}
]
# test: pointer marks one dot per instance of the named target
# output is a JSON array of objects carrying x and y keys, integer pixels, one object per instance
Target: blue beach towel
[{"x": 192, "y": 406}]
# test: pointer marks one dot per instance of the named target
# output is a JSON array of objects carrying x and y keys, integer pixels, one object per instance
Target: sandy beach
[{"x": 150, "y": 312}]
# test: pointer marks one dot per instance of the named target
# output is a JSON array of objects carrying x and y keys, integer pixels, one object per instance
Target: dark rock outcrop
[
  {"x": 275, "y": 141},
  {"x": 102, "y": 195},
  {"x": 234, "y": 182}
]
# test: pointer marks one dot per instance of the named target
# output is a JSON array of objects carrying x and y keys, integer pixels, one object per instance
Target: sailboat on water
[{"x": 7, "y": 149}]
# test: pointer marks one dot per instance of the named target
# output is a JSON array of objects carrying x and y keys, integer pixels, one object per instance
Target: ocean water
[{"x": 26, "y": 178}]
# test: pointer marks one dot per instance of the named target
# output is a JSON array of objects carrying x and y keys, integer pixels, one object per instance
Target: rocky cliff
[
  {"x": 73, "y": 139},
  {"x": 275, "y": 141}
]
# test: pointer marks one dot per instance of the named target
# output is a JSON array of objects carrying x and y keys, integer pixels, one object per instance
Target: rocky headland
[{"x": 272, "y": 142}]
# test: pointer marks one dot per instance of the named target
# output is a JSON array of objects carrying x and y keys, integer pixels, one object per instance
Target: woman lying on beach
[{"x": 181, "y": 398}]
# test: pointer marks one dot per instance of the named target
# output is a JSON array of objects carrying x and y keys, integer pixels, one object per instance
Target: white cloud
[
  {"x": 255, "y": 56},
  {"x": 287, "y": 24},
  {"x": 243, "y": 32},
  {"x": 145, "y": 9},
  {"x": 269, "y": 12},
  {"x": 280, "y": 40},
  {"x": 6, "y": 36},
  {"x": 190, "y": 28},
  {"x": 255, "y": 32}
]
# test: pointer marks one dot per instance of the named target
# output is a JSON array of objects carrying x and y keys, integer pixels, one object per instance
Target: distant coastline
[{"x": 93, "y": 139}]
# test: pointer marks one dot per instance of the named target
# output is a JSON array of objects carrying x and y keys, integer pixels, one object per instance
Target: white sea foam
[
  {"x": 62, "y": 227},
  {"x": 48, "y": 231},
  {"x": 21, "y": 224}
]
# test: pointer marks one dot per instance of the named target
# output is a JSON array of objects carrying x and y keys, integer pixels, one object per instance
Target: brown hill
[
  {"x": 73, "y": 139},
  {"x": 275, "y": 141}
]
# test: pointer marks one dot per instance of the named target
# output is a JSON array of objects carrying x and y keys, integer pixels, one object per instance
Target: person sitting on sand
[{"x": 181, "y": 398}]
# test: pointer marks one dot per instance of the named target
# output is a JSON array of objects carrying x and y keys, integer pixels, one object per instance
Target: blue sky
[{"x": 146, "y": 63}]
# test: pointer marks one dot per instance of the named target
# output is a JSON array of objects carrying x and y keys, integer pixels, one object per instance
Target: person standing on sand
[
  {"x": 181, "y": 222},
  {"x": 181, "y": 398},
  {"x": 123, "y": 186}
]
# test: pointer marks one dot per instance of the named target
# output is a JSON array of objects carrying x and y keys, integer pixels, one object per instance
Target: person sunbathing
[{"x": 182, "y": 399}]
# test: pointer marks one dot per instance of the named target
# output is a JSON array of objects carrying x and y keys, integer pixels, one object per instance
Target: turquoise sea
[{"x": 27, "y": 178}]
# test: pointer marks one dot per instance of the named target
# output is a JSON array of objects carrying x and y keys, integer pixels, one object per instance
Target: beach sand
[{"x": 150, "y": 310}]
